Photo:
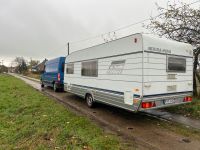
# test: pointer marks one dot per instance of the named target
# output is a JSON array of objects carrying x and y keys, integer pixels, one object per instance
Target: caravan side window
[
  {"x": 89, "y": 68},
  {"x": 70, "y": 68}
]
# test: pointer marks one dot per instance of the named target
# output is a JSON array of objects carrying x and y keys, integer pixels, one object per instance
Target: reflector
[
  {"x": 58, "y": 76},
  {"x": 148, "y": 104},
  {"x": 187, "y": 99}
]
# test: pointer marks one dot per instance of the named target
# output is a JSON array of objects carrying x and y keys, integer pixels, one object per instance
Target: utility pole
[
  {"x": 2, "y": 62},
  {"x": 68, "y": 48},
  {"x": 31, "y": 63}
]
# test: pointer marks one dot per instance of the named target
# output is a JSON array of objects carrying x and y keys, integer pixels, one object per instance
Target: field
[{"x": 30, "y": 120}]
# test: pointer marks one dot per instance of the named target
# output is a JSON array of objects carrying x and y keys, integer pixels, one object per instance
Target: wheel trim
[{"x": 89, "y": 100}]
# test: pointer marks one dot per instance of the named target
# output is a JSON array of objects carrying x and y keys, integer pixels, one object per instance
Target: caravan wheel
[
  {"x": 42, "y": 85},
  {"x": 89, "y": 100}
]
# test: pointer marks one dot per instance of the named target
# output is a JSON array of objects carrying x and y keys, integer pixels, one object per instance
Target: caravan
[{"x": 136, "y": 72}]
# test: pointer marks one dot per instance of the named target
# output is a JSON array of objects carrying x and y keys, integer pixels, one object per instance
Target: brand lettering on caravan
[{"x": 159, "y": 50}]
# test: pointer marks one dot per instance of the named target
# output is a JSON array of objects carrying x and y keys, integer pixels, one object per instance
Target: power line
[
  {"x": 130, "y": 25},
  {"x": 113, "y": 31}
]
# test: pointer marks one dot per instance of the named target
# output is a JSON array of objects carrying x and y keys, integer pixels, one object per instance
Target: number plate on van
[{"x": 169, "y": 101}]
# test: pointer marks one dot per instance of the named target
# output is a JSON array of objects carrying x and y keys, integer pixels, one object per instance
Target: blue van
[{"x": 53, "y": 74}]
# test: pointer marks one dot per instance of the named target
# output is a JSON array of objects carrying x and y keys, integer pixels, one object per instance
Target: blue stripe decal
[
  {"x": 134, "y": 95},
  {"x": 110, "y": 91}
]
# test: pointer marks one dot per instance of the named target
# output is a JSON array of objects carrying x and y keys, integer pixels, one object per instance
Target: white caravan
[{"x": 136, "y": 72}]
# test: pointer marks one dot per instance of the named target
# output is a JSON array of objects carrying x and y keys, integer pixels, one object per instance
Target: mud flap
[
  {"x": 131, "y": 99},
  {"x": 128, "y": 97}
]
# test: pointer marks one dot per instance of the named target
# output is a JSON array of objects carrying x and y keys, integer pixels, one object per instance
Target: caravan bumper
[{"x": 154, "y": 102}]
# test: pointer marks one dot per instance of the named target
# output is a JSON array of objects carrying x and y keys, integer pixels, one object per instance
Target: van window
[
  {"x": 176, "y": 64},
  {"x": 70, "y": 68},
  {"x": 51, "y": 67},
  {"x": 89, "y": 68}
]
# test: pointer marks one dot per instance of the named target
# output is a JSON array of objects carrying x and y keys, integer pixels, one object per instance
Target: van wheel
[
  {"x": 55, "y": 87},
  {"x": 62, "y": 90},
  {"x": 42, "y": 85},
  {"x": 89, "y": 100}
]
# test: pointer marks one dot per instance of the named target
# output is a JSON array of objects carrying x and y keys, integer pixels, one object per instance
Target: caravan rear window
[{"x": 176, "y": 64}]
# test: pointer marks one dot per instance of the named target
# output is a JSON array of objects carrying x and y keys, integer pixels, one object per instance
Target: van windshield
[{"x": 176, "y": 64}]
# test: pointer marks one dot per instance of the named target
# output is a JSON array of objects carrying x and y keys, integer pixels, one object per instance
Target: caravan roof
[{"x": 131, "y": 44}]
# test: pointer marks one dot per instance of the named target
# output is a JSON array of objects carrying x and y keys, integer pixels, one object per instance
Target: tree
[
  {"x": 21, "y": 65},
  {"x": 34, "y": 63},
  {"x": 3, "y": 69},
  {"x": 180, "y": 22}
]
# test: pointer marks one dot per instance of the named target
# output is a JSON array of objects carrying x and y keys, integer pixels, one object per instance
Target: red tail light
[
  {"x": 58, "y": 76},
  {"x": 148, "y": 104},
  {"x": 187, "y": 99}
]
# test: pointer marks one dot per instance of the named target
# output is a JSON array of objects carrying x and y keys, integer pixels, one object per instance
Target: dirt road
[{"x": 138, "y": 129}]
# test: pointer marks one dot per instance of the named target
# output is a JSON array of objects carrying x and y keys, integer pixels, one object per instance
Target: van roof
[{"x": 55, "y": 60}]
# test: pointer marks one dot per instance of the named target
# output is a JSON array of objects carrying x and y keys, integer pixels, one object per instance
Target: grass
[
  {"x": 30, "y": 120},
  {"x": 191, "y": 110}
]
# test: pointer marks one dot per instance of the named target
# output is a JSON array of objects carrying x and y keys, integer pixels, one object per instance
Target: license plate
[{"x": 169, "y": 101}]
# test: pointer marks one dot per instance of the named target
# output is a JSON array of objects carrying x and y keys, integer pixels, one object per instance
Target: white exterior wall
[
  {"x": 155, "y": 75},
  {"x": 155, "y": 67},
  {"x": 128, "y": 80},
  {"x": 121, "y": 49},
  {"x": 118, "y": 47}
]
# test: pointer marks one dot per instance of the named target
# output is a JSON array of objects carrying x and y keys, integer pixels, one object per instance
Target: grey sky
[{"x": 40, "y": 29}]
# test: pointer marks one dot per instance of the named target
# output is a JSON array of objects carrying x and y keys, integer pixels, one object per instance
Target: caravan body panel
[{"x": 130, "y": 70}]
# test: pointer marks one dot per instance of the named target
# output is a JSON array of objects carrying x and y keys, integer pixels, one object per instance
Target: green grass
[
  {"x": 30, "y": 120},
  {"x": 191, "y": 110}
]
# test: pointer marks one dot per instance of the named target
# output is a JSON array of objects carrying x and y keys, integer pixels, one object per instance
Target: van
[
  {"x": 136, "y": 73},
  {"x": 53, "y": 74}
]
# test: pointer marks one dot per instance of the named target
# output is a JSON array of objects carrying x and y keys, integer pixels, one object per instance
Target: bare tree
[
  {"x": 33, "y": 63},
  {"x": 21, "y": 64},
  {"x": 180, "y": 22}
]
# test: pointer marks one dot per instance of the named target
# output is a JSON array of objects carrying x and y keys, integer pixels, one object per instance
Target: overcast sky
[{"x": 40, "y": 29}]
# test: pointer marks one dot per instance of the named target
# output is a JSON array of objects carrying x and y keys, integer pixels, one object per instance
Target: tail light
[
  {"x": 148, "y": 104},
  {"x": 187, "y": 99},
  {"x": 58, "y": 76}
]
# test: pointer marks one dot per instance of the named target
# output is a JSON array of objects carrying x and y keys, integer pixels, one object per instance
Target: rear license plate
[{"x": 169, "y": 101}]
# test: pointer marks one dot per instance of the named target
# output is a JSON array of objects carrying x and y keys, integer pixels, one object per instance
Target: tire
[
  {"x": 55, "y": 88},
  {"x": 42, "y": 85},
  {"x": 89, "y": 100},
  {"x": 62, "y": 90}
]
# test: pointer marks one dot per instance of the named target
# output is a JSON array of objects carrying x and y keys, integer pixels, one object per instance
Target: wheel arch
[{"x": 90, "y": 93}]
